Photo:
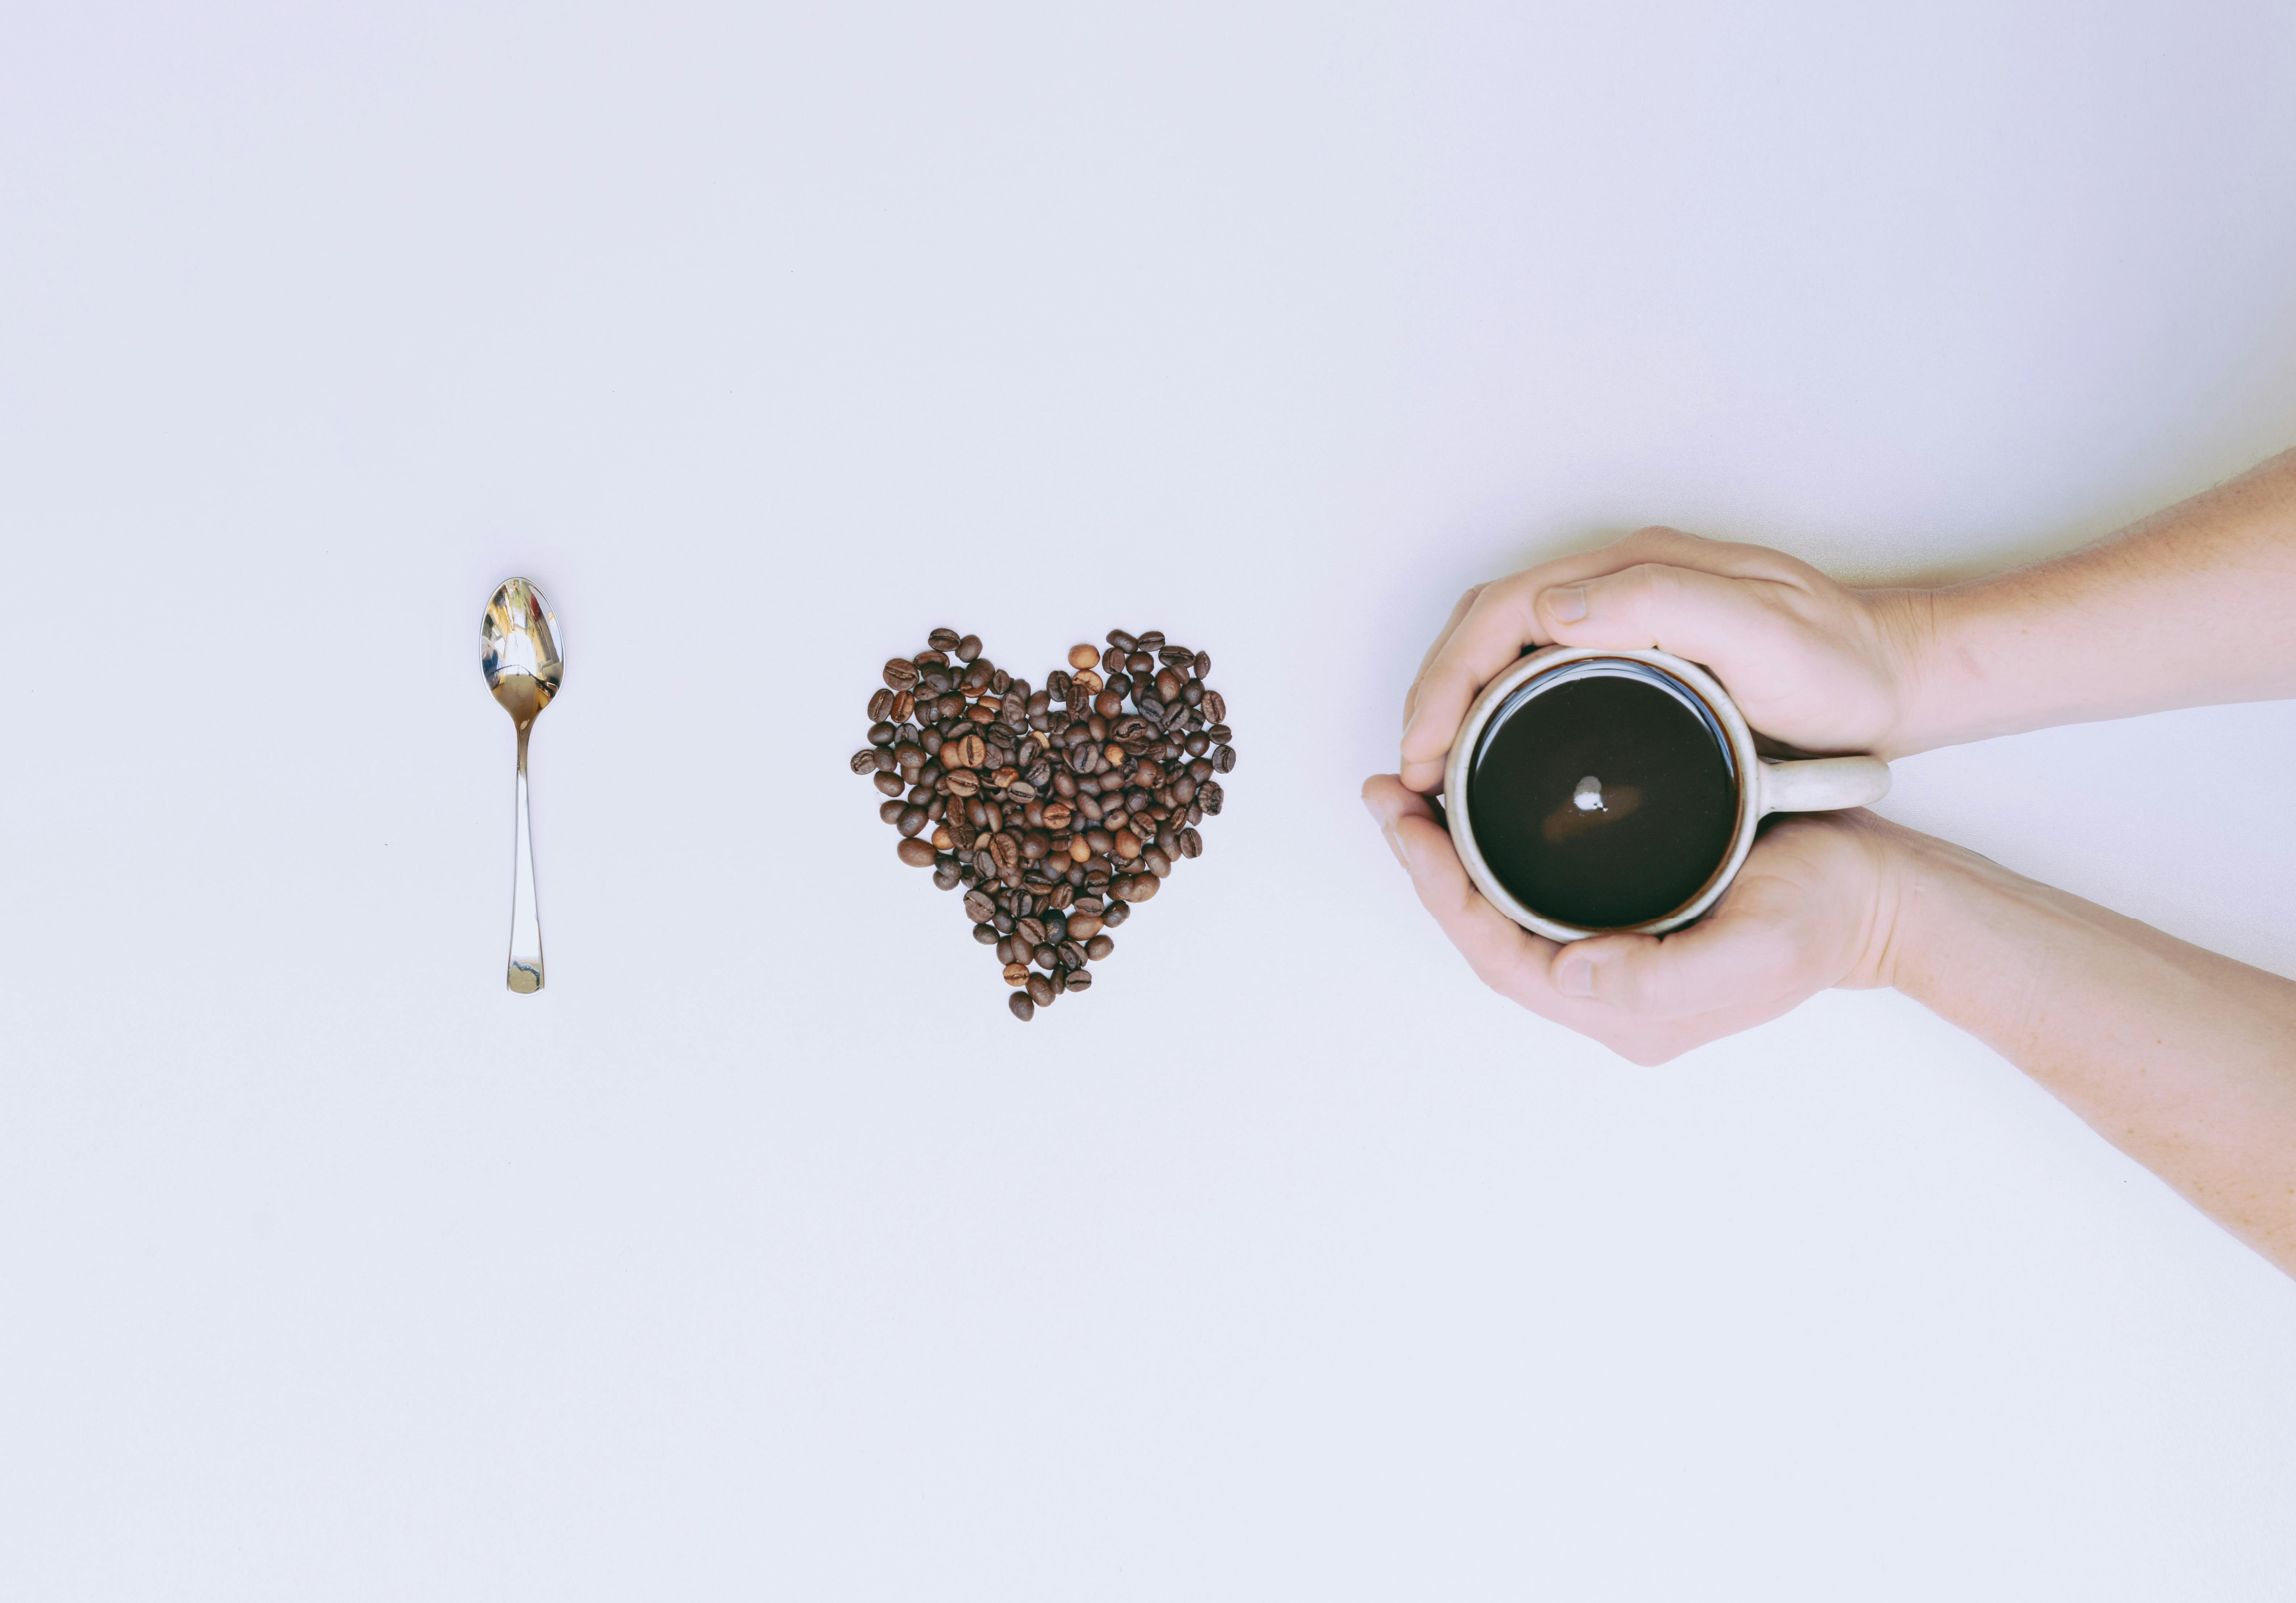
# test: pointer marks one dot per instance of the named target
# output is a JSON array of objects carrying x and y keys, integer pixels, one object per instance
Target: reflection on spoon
[{"x": 520, "y": 654}]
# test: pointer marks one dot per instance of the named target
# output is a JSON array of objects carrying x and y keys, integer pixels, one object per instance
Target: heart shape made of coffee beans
[{"x": 1059, "y": 809}]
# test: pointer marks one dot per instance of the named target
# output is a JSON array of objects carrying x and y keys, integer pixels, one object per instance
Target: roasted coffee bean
[
  {"x": 881, "y": 732},
  {"x": 1159, "y": 864},
  {"x": 1215, "y": 707},
  {"x": 979, "y": 905},
  {"x": 1192, "y": 695},
  {"x": 1114, "y": 913},
  {"x": 1044, "y": 956},
  {"x": 942, "y": 639},
  {"x": 1016, "y": 974},
  {"x": 999, "y": 682},
  {"x": 1080, "y": 979},
  {"x": 917, "y": 854},
  {"x": 1031, "y": 930},
  {"x": 1083, "y": 927},
  {"x": 1151, "y": 641},
  {"x": 1192, "y": 844},
  {"x": 1183, "y": 790},
  {"x": 1120, "y": 640},
  {"x": 968, "y": 649},
  {"x": 1203, "y": 667},
  {"x": 1211, "y": 796},
  {"x": 880, "y": 702},
  {"x": 901, "y": 674},
  {"x": 1069, "y": 955},
  {"x": 1224, "y": 760},
  {"x": 1007, "y": 852},
  {"x": 985, "y": 933},
  {"x": 1040, "y": 990},
  {"x": 1219, "y": 733},
  {"x": 1057, "y": 685},
  {"x": 1175, "y": 656},
  {"x": 1022, "y": 1007},
  {"x": 945, "y": 875},
  {"x": 1167, "y": 686},
  {"x": 1083, "y": 656},
  {"x": 912, "y": 819},
  {"x": 1143, "y": 887},
  {"x": 864, "y": 760},
  {"x": 891, "y": 811},
  {"x": 1098, "y": 946},
  {"x": 891, "y": 784}
]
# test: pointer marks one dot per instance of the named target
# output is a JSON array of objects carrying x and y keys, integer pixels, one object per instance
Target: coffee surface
[{"x": 1603, "y": 802}]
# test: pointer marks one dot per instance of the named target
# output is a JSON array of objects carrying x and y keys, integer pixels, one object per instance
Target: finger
[
  {"x": 1702, "y": 616},
  {"x": 1745, "y": 958},
  {"x": 1504, "y": 955},
  {"x": 1500, "y": 620},
  {"x": 1411, "y": 696}
]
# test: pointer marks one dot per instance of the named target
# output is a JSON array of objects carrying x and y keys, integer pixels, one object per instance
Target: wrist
[{"x": 1912, "y": 629}]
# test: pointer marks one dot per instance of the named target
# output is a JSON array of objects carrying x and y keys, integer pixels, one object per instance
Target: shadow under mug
[{"x": 1763, "y": 786}]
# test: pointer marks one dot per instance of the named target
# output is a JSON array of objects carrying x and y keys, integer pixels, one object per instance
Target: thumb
[
  {"x": 1721, "y": 964},
  {"x": 1705, "y": 617}
]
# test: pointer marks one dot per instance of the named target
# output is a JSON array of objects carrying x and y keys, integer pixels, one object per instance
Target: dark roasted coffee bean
[
  {"x": 1115, "y": 913},
  {"x": 1159, "y": 864},
  {"x": 1057, "y": 685},
  {"x": 885, "y": 762},
  {"x": 880, "y": 702},
  {"x": 1200, "y": 769},
  {"x": 1167, "y": 686},
  {"x": 979, "y": 907},
  {"x": 1198, "y": 744},
  {"x": 1143, "y": 887},
  {"x": 1108, "y": 703},
  {"x": 882, "y": 733},
  {"x": 1175, "y": 656},
  {"x": 942, "y": 639},
  {"x": 917, "y": 854},
  {"x": 1224, "y": 760},
  {"x": 901, "y": 674},
  {"x": 1121, "y": 641},
  {"x": 1007, "y": 852},
  {"x": 1022, "y": 1007},
  {"x": 1000, "y": 683},
  {"x": 864, "y": 760},
  {"x": 1214, "y": 706},
  {"x": 1192, "y": 844},
  {"x": 1040, "y": 990},
  {"x": 1098, "y": 946},
  {"x": 968, "y": 649},
  {"x": 1031, "y": 930},
  {"x": 891, "y": 784},
  {"x": 1151, "y": 640},
  {"x": 891, "y": 811},
  {"x": 1192, "y": 694},
  {"x": 912, "y": 819},
  {"x": 945, "y": 875},
  {"x": 1080, "y": 979},
  {"x": 1211, "y": 796},
  {"x": 1220, "y": 734},
  {"x": 1044, "y": 956},
  {"x": 1070, "y": 954},
  {"x": 1183, "y": 790},
  {"x": 985, "y": 933}
]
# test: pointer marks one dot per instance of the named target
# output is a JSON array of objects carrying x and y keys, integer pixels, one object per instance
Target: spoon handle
[{"x": 525, "y": 974}]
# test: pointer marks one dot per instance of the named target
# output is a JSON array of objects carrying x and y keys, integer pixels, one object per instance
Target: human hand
[
  {"x": 1812, "y": 909},
  {"x": 1809, "y": 662}
]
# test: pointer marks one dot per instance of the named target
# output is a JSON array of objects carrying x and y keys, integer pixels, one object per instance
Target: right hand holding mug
[{"x": 1810, "y": 661}]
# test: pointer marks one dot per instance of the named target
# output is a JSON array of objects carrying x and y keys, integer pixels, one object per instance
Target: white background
[{"x": 764, "y": 1255}]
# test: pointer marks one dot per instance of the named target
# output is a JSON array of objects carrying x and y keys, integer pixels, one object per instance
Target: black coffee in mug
[{"x": 1604, "y": 794}]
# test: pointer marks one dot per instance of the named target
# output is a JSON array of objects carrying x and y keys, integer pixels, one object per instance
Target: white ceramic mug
[{"x": 1811, "y": 784}]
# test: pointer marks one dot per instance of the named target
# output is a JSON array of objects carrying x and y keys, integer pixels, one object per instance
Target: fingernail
[
  {"x": 1387, "y": 827},
  {"x": 1567, "y": 605},
  {"x": 1574, "y": 976}
]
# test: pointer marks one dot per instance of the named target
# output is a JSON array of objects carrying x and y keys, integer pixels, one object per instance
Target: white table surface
[{"x": 763, "y": 1254}]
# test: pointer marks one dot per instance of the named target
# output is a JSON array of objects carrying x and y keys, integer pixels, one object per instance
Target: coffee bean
[
  {"x": 1016, "y": 974},
  {"x": 1040, "y": 990},
  {"x": 968, "y": 649},
  {"x": 1057, "y": 685},
  {"x": 1154, "y": 640},
  {"x": 901, "y": 674},
  {"x": 1212, "y": 796},
  {"x": 864, "y": 760},
  {"x": 891, "y": 784},
  {"x": 1220, "y": 734},
  {"x": 1120, "y": 640},
  {"x": 880, "y": 702},
  {"x": 1159, "y": 864},
  {"x": 942, "y": 639},
  {"x": 1115, "y": 913},
  {"x": 1098, "y": 946},
  {"x": 917, "y": 854},
  {"x": 1044, "y": 956},
  {"x": 985, "y": 933},
  {"x": 1083, "y": 656},
  {"x": 1022, "y": 1007},
  {"x": 1215, "y": 707},
  {"x": 1080, "y": 979},
  {"x": 979, "y": 905},
  {"x": 1007, "y": 852},
  {"x": 1202, "y": 668},
  {"x": 1192, "y": 695},
  {"x": 1031, "y": 930},
  {"x": 1084, "y": 927},
  {"x": 1192, "y": 844}
]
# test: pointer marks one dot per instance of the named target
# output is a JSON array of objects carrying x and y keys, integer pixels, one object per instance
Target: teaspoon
[{"x": 524, "y": 662}]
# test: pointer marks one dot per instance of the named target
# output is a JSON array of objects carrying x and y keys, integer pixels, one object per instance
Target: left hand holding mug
[{"x": 1812, "y": 909}]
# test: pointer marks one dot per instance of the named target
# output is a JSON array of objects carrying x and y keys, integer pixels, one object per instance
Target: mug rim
[{"x": 1530, "y": 666}]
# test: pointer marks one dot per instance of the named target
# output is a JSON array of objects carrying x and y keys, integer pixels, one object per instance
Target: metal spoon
[{"x": 524, "y": 663}]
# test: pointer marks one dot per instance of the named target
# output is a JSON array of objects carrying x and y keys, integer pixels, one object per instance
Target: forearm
[
  {"x": 2195, "y": 605},
  {"x": 2183, "y": 1059}
]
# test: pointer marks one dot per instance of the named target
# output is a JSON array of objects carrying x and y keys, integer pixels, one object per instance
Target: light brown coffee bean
[{"x": 1016, "y": 974}]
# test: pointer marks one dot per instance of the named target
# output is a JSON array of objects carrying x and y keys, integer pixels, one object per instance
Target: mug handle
[{"x": 1823, "y": 784}]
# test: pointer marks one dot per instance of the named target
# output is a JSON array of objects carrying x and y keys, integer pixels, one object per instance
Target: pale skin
[{"x": 2183, "y": 1059}]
